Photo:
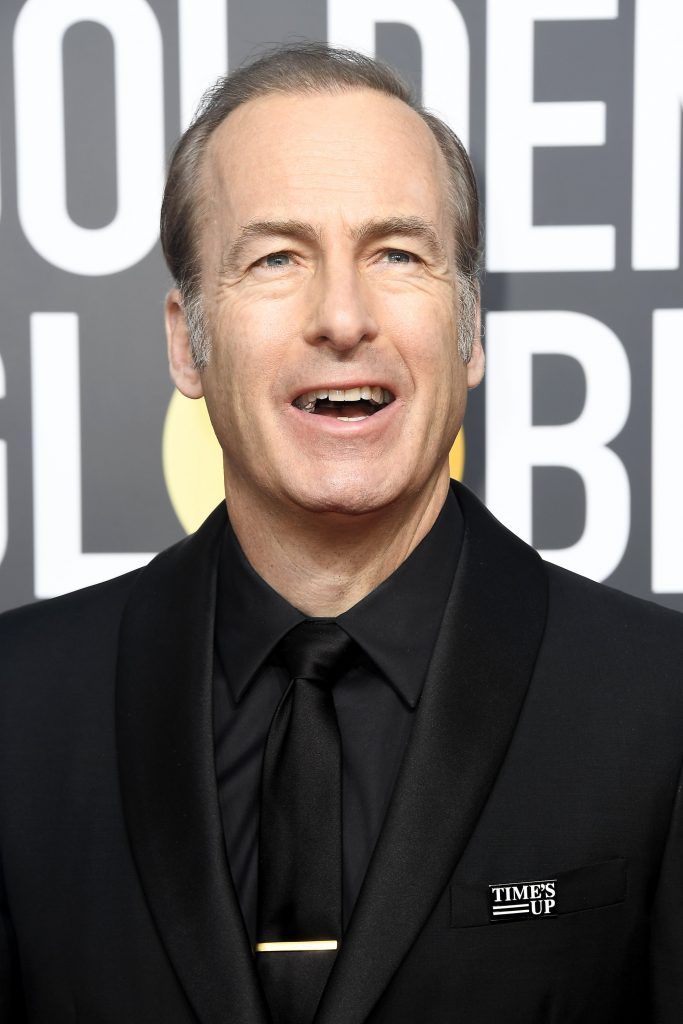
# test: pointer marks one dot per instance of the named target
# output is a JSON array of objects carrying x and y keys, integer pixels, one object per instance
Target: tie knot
[{"x": 316, "y": 650}]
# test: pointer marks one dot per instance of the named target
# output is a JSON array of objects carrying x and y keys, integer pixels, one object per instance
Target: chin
[{"x": 353, "y": 497}]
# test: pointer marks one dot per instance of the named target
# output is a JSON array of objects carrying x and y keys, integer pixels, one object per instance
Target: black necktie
[{"x": 300, "y": 841}]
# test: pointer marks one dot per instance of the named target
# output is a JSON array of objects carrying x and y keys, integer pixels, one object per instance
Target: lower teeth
[{"x": 351, "y": 419}]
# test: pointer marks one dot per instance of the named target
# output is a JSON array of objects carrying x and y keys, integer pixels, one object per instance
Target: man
[{"x": 352, "y": 752}]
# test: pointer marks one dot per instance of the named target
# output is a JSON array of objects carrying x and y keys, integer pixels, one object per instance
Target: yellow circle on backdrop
[
  {"x": 192, "y": 461},
  {"x": 193, "y": 464}
]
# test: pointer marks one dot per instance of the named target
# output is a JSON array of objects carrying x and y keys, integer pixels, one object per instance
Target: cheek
[
  {"x": 426, "y": 340},
  {"x": 440, "y": 383},
  {"x": 236, "y": 341},
  {"x": 245, "y": 366}
]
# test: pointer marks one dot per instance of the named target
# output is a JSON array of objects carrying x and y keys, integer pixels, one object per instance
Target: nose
[{"x": 340, "y": 314}]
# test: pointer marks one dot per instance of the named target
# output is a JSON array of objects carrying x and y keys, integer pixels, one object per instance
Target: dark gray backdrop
[{"x": 123, "y": 392}]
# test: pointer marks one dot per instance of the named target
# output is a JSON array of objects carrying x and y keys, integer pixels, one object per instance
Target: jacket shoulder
[
  {"x": 640, "y": 638},
  {"x": 76, "y": 625},
  {"x": 590, "y": 599},
  {"x": 51, "y": 625}
]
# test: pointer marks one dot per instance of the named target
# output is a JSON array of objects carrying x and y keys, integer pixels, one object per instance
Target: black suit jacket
[{"x": 547, "y": 745}]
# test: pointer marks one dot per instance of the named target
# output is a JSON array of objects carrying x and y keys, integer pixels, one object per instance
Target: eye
[
  {"x": 398, "y": 256},
  {"x": 275, "y": 261}
]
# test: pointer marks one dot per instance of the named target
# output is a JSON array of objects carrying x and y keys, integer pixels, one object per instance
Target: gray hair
[{"x": 306, "y": 68}]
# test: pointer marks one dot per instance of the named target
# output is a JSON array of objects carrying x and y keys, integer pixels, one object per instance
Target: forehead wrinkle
[{"x": 296, "y": 229}]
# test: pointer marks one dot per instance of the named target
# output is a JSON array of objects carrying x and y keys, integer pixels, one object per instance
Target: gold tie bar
[{"x": 285, "y": 947}]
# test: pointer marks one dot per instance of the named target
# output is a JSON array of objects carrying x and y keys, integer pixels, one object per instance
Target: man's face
[{"x": 328, "y": 273}]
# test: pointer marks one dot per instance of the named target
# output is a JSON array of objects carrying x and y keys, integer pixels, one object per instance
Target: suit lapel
[
  {"x": 166, "y": 764},
  {"x": 475, "y": 687}
]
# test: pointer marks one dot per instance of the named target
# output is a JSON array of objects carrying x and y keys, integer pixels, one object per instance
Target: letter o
[{"x": 41, "y": 163}]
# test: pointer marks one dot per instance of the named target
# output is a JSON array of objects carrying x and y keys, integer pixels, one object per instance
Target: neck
[{"x": 324, "y": 563}]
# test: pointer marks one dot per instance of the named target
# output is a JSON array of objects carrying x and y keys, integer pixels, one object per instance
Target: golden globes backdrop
[{"x": 572, "y": 112}]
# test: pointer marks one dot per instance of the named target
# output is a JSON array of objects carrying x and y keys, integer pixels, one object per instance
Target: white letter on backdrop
[
  {"x": 667, "y": 468},
  {"x": 41, "y": 164},
  {"x": 203, "y": 43},
  {"x": 658, "y": 95},
  {"x": 443, "y": 38},
  {"x": 514, "y": 445},
  {"x": 516, "y": 125},
  {"x": 60, "y": 563}
]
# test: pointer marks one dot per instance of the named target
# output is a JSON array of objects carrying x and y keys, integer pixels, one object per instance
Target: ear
[
  {"x": 475, "y": 366},
  {"x": 184, "y": 373}
]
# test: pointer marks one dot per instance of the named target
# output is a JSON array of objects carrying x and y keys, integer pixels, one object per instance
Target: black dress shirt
[{"x": 395, "y": 627}]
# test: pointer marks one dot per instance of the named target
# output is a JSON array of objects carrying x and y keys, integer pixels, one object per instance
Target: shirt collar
[{"x": 396, "y": 624}]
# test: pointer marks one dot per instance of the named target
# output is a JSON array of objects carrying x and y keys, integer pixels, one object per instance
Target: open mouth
[{"x": 350, "y": 404}]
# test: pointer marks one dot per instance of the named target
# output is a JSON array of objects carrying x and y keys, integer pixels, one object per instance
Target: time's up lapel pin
[{"x": 515, "y": 900}]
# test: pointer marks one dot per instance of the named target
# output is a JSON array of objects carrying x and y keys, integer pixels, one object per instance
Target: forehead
[{"x": 355, "y": 155}]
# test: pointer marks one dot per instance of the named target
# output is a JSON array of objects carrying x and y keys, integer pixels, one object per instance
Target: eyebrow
[
  {"x": 404, "y": 227},
  {"x": 369, "y": 231},
  {"x": 231, "y": 257}
]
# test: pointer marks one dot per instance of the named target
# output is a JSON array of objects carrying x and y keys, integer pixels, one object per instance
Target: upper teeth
[{"x": 369, "y": 393}]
